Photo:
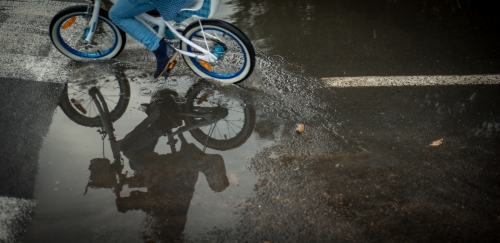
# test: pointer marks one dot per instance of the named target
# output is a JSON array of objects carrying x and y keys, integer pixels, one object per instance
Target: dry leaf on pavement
[
  {"x": 300, "y": 127},
  {"x": 436, "y": 143}
]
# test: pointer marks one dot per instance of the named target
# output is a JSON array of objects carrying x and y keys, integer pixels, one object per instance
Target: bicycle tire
[
  {"x": 193, "y": 99},
  {"x": 67, "y": 29},
  {"x": 74, "y": 107},
  {"x": 236, "y": 59}
]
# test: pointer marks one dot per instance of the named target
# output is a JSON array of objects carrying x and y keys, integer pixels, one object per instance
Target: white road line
[{"x": 387, "y": 81}]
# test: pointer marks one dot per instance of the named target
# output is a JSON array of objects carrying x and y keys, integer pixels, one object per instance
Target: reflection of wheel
[
  {"x": 69, "y": 28},
  {"x": 231, "y": 131},
  {"x": 77, "y": 104},
  {"x": 235, "y": 53}
]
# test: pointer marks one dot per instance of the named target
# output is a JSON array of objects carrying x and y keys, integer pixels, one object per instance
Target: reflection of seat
[
  {"x": 101, "y": 175},
  {"x": 197, "y": 5}
]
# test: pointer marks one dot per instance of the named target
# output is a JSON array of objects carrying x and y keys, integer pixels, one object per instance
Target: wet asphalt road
[{"x": 362, "y": 171}]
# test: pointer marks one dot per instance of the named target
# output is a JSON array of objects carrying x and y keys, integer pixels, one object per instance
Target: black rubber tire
[
  {"x": 219, "y": 144},
  {"x": 95, "y": 121},
  {"x": 78, "y": 11},
  {"x": 233, "y": 34}
]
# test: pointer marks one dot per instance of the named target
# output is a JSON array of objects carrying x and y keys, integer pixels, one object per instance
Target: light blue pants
[{"x": 122, "y": 14}]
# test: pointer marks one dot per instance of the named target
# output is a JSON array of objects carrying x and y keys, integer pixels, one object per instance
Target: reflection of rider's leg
[
  {"x": 142, "y": 139},
  {"x": 211, "y": 165},
  {"x": 139, "y": 148}
]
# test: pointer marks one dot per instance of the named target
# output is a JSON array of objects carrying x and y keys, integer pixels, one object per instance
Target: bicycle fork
[
  {"x": 94, "y": 6},
  {"x": 102, "y": 108}
]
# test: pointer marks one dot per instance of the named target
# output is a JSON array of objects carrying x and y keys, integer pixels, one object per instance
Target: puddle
[{"x": 164, "y": 191}]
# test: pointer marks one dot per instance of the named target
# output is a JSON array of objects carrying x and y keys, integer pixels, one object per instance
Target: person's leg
[{"x": 122, "y": 14}]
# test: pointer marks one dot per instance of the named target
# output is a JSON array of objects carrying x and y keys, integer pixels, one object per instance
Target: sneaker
[{"x": 165, "y": 55}]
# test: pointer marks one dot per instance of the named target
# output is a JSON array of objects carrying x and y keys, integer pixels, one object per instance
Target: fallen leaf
[
  {"x": 203, "y": 98},
  {"x": 300, "y": 127},
  {"x": 436, "y": 143}
]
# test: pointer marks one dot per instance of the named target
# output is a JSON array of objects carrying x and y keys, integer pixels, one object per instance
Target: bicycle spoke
[
  {"x": 229, "y": 120},
  {"x": 79, "y": 91},
  {"x": 89, "y": 110},
  {"x": 108, "y": 99},
  {"x": 88, "y": 101},
  {"x": 212, "y": 130},
  {"x": 80, "y": 96},
  {"x": 227, "y": 124},
  {"x": 234, "y": 125},
  {"x": 218, "y": 131}
]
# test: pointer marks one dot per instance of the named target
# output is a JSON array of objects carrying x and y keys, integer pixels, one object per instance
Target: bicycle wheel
[
  {"x": 69, "y": 28},
  {"x": 235, "y": 53},
  {"x": 229, "y": 132},
  {"x": 78, "y": 105}
]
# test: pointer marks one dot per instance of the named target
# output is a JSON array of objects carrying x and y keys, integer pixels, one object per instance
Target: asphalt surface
[{"x": 401, "y": 142}]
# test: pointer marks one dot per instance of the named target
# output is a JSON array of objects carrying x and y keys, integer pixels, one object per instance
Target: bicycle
[{"x": 211, "y": 48}]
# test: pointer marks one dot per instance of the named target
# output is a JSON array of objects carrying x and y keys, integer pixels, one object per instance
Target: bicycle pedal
[{"x": 171, "y": 65}]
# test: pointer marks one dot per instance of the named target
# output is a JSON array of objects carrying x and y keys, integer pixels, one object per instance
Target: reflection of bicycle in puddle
[{"x": 214, "y": 119}]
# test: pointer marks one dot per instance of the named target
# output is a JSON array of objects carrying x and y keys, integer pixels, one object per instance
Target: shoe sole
[{"x": 168, "y": 64}]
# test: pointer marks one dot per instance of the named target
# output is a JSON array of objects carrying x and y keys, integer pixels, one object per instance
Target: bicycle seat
[
  {"x": 195, "y": 6},
  {"x": 154, "y": 13},
  {"x": 203, "y": 9}
]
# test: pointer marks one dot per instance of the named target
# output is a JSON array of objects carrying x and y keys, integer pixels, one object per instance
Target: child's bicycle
[{"x": 212, "y": 48}]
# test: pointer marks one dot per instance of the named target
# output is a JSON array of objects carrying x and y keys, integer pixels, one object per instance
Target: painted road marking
[{"x": 387, "y": 81}]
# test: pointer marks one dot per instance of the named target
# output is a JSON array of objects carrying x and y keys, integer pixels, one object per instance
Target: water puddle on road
[
  {"x": 159, "y": 188},
  {"x": 189, "y": 186}
]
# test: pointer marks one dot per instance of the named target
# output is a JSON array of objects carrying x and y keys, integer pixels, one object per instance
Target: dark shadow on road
[{"x": 25, "y": 117}]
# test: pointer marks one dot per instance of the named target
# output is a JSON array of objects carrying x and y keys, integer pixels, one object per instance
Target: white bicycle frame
[{"x": 149, "y": 20}]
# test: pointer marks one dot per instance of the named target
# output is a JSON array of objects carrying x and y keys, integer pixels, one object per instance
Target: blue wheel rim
[
  {"x": 215, "y": 74},
  {"x": 86, "y": 54}
]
